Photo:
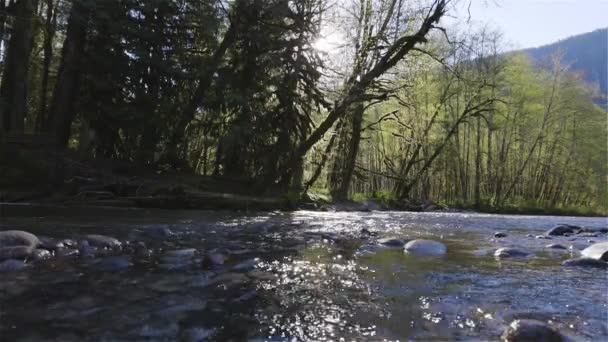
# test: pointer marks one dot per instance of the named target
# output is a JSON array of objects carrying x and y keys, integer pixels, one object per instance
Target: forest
[{"x": 380, "y": 99}]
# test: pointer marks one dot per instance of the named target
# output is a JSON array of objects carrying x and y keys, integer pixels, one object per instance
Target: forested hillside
[
  {"x": 399, "y": 107},
  {"x": 586, "y": 53}
]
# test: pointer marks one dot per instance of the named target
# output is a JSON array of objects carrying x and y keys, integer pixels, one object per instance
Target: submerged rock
[
  {"x": 556, "y": 246},
  {"x": 500, "y": 235},
  {"x": 425, "y": 247},
  {"x": 392, "y": 242},
  {"x": 563, "y": 229},
  {"x": 102, "y": 241},
  {"x": 598, "y": 251},
  {"x": 214, "y": 259},
  {"x": 528, "y": 330},
  {"x": 11, "y": 265},
  {"x": 585, "y": 262},
  {"x": 113, "y": 264},
  {"x": 510, "y": 253}
]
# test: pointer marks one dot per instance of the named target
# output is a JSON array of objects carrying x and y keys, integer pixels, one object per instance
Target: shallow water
[{"x": 314, "y": 278}]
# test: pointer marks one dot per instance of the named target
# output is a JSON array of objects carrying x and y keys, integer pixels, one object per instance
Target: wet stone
[
  {"x": 510, "y": 253},
  {"x": 102, "y": 241},
  {"x": 425, "y": 247},
  {"x": 544, "y": 237},
  {"x": 598, "y": 251},
  {"x": 585, "y": 262},
  {"x": 41, "y": 254},
  {"x": 50, "y": 243},
  {"x": 563, "y": 229},
  {"x": 67, "y": 252},
  {"x": 392, "y": 242},
  {"x": 11, "y": 265},
  {"x": 500, "y": 235},
  {"x": 556, "y": 246},
  {"x": 10, "y": 238},
  {"x": 525, "y": 330},
  {"x": 15, "y": 252}
]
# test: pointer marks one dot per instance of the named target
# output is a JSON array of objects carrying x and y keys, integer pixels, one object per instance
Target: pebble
[
  {"x": 525, "y": 330},
  {"x": 11, "y": 265},
  {"x": 510, "y": 253},
  {"x": 425, "y": 247}
]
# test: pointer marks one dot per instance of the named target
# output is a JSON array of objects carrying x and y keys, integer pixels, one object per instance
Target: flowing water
[{"x": 300, "y": 276}]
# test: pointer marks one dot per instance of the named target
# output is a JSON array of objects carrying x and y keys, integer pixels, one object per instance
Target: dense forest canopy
[{"x": 352, "y": 97}]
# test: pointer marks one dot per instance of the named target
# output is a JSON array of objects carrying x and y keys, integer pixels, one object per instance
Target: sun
[{"x": 329, "y": 42}]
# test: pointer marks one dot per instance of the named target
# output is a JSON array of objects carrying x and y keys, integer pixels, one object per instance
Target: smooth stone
[
  {"x": 556, "y": 246},
  {"x": 563, "y": 229},
  {"x": 102, "y": 241},
  {"x": 425, "y": 247},
  {"x": 528, "y": 330},
  {"x": 181, "y": 253},
  {"x": 11, "y": 265},
  {"x": 67, "y": 252},
  {"x": 41, "y": 254},
  {"x": 585, "y": 262},
  {"x": 113, "y": 264},
  {"x": 500, "y": 235},
  {"x": 392, "y": 242},
  {"x": 246, "y": 266},
  {"x": 50, "y": 243},
  {"x": 598, "y": 251},
  {"x": 9, "y": 238},
  {"x": 16, "y": 252},
  {"x": 529, "y": 235},
  {"x": 510, "y": 253},
  {"x": 88, "y": 251}
]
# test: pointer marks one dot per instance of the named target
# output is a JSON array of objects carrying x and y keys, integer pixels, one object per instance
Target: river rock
[
  {"x": 392, "y": 242},
  {"x": 528, "y": 330},
  {"x": 510, "y": 253},
  {"x": 113, "y": 264},
  {"x": 500, "y": 235},
  {"x": 11, "y": 265},
  {"x": 598, "y": 251},
  {"x": 102, "y": 241},
  {"x": 41, "y": 254},
  {"x": 15, "y": 252},
  {"x": 67, "y": 252},
  {"x": 562, "y": 229},
  {"x": 50, "y": 243},
  {"x": 11, "y": 238},
  {"x": 585, "y": 262},
  {"x": 556, "y": 246},
  {"x": 425, "y": 247},
  {"x": 181, "y": 253}
]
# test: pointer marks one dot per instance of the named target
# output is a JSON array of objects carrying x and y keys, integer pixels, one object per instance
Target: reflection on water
[{"x": 316, "y": 278}]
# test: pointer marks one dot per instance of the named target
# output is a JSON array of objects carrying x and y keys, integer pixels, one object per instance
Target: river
[{"x": 300, "y": 275}]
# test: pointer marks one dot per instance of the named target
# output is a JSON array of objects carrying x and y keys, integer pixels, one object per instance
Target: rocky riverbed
[{"x": 135, "y": 274}]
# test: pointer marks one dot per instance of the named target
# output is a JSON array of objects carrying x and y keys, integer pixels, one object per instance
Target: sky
[{"x": 531, "y": 23}]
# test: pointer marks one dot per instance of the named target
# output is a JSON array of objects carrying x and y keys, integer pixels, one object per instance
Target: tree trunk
[
  {"x": 13, "y": 91},
  {"x": 63, "y": 107},
  {"x": 49, "y": 34},
  {"x": 344, "y": 164}
]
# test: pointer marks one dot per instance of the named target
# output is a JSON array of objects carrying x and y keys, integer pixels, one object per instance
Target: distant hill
[{"x": 588, "y": 52}]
